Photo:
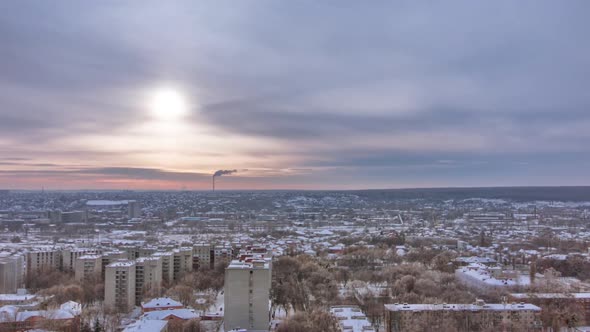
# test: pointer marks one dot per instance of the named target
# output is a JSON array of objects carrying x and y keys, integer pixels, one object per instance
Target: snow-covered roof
[
  {"x": 463, "y": 307},
  {"x": 72, "y": 307},
  {"x": 162, "y": 314},
  {"x": 147, "y": 326},
  {"x": 551, "y": 295},
  {"x": 351, "y": 319},
  {"x": 161, "y": 302}
]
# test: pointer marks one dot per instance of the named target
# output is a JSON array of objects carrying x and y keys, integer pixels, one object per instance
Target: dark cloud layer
[{"x": 379, "y": 93}]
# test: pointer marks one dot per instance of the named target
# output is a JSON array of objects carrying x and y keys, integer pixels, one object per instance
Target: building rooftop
[
  {"x": 254, "y": 264},
  {"x": 147, "y": 326},
  {"x": 90, "y": 257},
  {"x": 550, "y": 295},
  {"x": 351, "y": 319},
  {"x": 463, "y": 307},
  {"x": 161, "y": 302},
  {"x": 162, "y": 314},
  {"x": 122, "y": 264}
]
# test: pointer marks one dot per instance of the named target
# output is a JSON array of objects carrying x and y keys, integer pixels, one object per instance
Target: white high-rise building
[
  {"x": 11, "y": 273},
  {"x": 182, "y": 262},
  {"x": 43, "y": 258},
  {"x": 148, "y": 276},
  {"x": 247, "y": 294},
  {"x": 134, "y": 209},
  {"x": 119, "y": 286},
  {"x": 88, "y": 267}
]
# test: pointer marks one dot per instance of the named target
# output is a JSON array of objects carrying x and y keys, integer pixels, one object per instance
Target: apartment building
[
  {"x": 120, "y": 286},
  {"x": 11, "y": 272},
  {"x": 134, "y": 209},
  {"x": 222, "y": 253},
  {"x": 70, "y": 255},
  {"x": 247, "y": 292},
  {"x": 576, "y": 300},
  {"x": 182, "y": 262},
  {"x": 134, "y": 252},
  {"x": 201, "y": 255},
  {"x": 167, "y": 265},
  {"x": 464, "y": 317},
  {"x": 44, "y": 259},
  {"x": 88, "y": 267},
  {"x": 148, "y": 276},
  {"x": 351, "y": 318},
  {"x": 111, "y": 257}
]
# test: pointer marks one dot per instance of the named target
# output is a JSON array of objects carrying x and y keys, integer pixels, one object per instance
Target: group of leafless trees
[
  {"x": 60, "y": 286},
  {"x": 307, "y": 286}
]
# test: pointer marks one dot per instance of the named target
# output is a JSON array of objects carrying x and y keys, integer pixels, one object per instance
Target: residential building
[
  {"x": 70, "y": 255},
  {"x": 182, "y": 262},
  {"x": 148, "y": 276},
  {"x": 351, "y": 319},
  {"x": 201, "y": 255},
  {"x": 582, "y": 300},
  {"x": 247, "y": 293},
  {"x": 167, "y": 265},
  {"x": 463, "y": 317},
  {"x": 88, "y": 267},
  {"x": 11, "y": 273},
  {"x": 134, "y": 209},
  {"x": 161, "y": 303},
  {"x": 43, "y": 259},
  {"x": 111, "y": 257},
  {"x": 120, "y": 286}
]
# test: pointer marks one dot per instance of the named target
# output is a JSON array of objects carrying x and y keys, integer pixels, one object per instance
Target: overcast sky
[{"x": 294, "y": 94}]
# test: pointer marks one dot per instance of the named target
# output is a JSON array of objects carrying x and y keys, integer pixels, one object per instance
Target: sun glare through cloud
[{"x": 168, "y": 104}]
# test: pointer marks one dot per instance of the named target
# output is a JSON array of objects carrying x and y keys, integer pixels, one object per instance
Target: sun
[{"x": 168, "y": 105}]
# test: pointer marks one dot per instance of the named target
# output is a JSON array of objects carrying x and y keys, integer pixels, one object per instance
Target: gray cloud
[{"x": 324, "y": 80}]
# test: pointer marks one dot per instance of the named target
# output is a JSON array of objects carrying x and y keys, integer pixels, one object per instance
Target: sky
[{"x": 293, "y": 94}]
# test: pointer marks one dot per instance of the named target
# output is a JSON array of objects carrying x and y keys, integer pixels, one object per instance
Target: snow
[
  {"x": 106, "y": 203},
  {"x": 351, "y": 319},
  {"x": 161, "y": 302},
  {"x": 162, "y": 314},
  {"x": 147, "y": 326},
  {"x": 463, "y": 307}
]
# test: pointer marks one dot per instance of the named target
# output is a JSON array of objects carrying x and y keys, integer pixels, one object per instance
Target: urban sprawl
[{"x": 284, "y": 261}]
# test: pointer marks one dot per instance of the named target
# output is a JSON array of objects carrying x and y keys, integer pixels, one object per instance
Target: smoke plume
[{"x": 224, "y": 172}]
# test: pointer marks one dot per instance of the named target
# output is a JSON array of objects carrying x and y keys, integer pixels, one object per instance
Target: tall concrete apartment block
[
  {"x": 134, "y": 209},
  {"x": 88, "y": 267},
  {"x": 222, "y": 253},
  {"x": 109, "y": 258},
  {"x": 69, "y": 256},
  {"x": 148, "y": 276},
  {"x": 167, "y": 265},
  {"x": 201, "y": 255},
  {"x": 120, "y": 286},
  {"x": 247, "y": 293},
  {"x": 183, "y": 262},
  {"x": 44, "y": 259},
  {"x": 134, "y": 252},
  {"x": 11, "y": 273}
]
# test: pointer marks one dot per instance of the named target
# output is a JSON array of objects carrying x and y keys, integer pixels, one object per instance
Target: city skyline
[{"x": 293, "y": 95}]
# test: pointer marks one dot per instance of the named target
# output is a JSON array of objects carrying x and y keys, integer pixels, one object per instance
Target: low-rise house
[
  {"x": 161, "y": 303},
  {"x": 351, "y": 319}
]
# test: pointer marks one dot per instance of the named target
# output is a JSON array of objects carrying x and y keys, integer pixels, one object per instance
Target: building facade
[
  {"x": 11, "y": 273},
  {"x": 148, "y": 276},
  {"x": 247, "y": 293},
  {"x": 119, "y": 286},
  {"x": 462, "y": 317},
  {"x": 88, "y": 267}
]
